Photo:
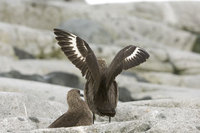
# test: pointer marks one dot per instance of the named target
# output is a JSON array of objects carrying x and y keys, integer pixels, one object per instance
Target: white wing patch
[
  {"x": 74, "y": 47},
  {"x": 137, "y": 50}
]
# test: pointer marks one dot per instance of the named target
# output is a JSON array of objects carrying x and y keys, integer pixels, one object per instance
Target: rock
[
  {"x": 162, "y": 78},
  {"x": 128, "y": 26},
  {"x": 140, "y": 116},
  {"x": 26, "y": 112},
  {"x": 30, "y": 10},
  {"x": 124, "y": 95},
  {"x": 153, "y": 31},
  {"x": 147, "y": 90},
  {"x": 33, "y": 42},
  {"x": 191, "y": 81},
  {"x": 190, "y": 22},
  {"x": 42, "y": 90},
  {"x": 141, "y": 90},
  {"x": 59, "y": 78},
  {"x": 88, "y": 30},
  {"x": 133, "y": 75},
  {"x": 18, "y": 75},
  {"x": 196, "y": 47},
  {"x": 163, "y": 115},
  {"x": 21, "y": 54},
  {"x": 117, "y": 127},
  {"x": 6, "y": 50},
  {"x": 40, "y": 67},
  {"x": 184, "y": 62},
  {"x": 15, "y": 124}
]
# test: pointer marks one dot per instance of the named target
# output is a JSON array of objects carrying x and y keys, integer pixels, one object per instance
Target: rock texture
[
  {"x": 59, "y": 78},
  {"x": 159, "y": 96},
  {"x": 134, "y": 15}
]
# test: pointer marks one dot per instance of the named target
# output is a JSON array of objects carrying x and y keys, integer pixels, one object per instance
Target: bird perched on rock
[
  {"x": 101, "y": 91},
  {"x": 78, "y": 113}
]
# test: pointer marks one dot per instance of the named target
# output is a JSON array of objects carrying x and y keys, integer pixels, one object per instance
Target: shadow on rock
[
  {"x": 125, "y": 96},
  {"x": 21, "y": 54},
  {"x": 59, "y": 78}
]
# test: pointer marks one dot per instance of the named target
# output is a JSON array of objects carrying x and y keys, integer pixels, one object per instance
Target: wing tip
[
  {"x": 147, "y": 55},
  {"x": 57, "y": 30}
]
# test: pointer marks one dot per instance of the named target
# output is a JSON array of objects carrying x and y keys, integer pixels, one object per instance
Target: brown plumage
[
  {"x": 78, "y": 113},
  {"x": 101, "y": 91}
]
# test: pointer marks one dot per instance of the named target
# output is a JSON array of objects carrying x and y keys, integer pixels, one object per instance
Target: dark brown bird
[
  {"x": 78, "y": 113},
  {"x": 101, "y": 91}
]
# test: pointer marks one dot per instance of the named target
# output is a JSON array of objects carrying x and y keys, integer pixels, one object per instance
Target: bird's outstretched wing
[
  {"x": 126, "y": 58},
  {"x": 79, "y": 53}
]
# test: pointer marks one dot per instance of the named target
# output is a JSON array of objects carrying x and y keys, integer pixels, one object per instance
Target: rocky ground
[{"x": 160, "y": 96}]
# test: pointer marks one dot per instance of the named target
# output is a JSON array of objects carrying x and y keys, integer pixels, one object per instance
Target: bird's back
[{"x": 102, "y": 101}]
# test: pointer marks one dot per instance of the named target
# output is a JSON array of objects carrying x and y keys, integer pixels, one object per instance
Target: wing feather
[
  {"x": 126, "y": 58},
  {"x": 79, "y": 53}
]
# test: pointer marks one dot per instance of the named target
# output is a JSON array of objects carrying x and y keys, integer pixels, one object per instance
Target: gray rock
[
  {"x": 26, "y": 105},
  {"x": 191, "y": 81},
  {"x": 184, "y": 62},
  {"x": 124, "y": 95},
  {"x": 23, "y": 112},
  {"x": 21, "y": 54},
  {"x": 42, "y": 90},
  {"x": 33, "y": 42},
  {"x": 153, "y": 31},
  {"x": 140, "y": 116},
  {"x": 6, "y": 50},
  {"x": 184, "y": 18},
  {"x": 171, "y": 13},
  {"x": 119, "y": 24},
  {"x": 164, "y": 115},
  {"x": 40, "y": 67},
  {"x": 18, "y": 75},
  {"x": 88, "y": 30},
  {"x": 59, "y": 78},
  {"x": 117, "y": 127},
  {"x": 141, "y": 90},
  {"x": 15, "y": 124},
  {"x": 196, "y": 47}
]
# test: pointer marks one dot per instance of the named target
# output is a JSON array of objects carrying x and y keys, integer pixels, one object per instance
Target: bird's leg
[
  {"x": 93, "y": 117},
  {"x": 109, "y": 119}
]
